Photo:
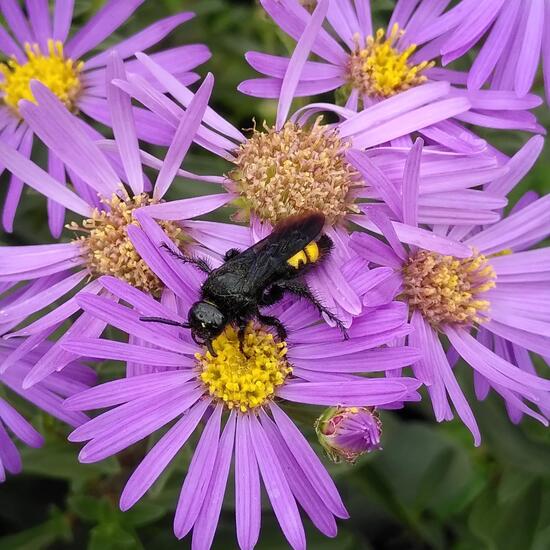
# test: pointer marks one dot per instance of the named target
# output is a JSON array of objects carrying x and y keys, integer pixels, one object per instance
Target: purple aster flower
[
  {"x": 497, "y": 291},
  {"x": 36, "y": 277},
  {"x": 515, "y": 35},
  {"x": 187, "y": 384},
  {"x": 47, "y": 396},
  {"x": 346, "y": 433},
  {"x": 39, "y": 48},
  {"x": 368, "y": 65},
  {"x": 295, "y": 167}
]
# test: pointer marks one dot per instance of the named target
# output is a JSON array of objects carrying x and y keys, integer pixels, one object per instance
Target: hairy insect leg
[
  {"x": 273, "y": 322},
  {"x": 240, "y": 334},
  {"x": 300, "y": 289},
  {"x": 197, "y": 262},
  {"x": 271, "y": 296},
  {"x": 231, "y": 253}
]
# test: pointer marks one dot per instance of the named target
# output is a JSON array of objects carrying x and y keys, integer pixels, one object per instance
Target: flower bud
[{"x": 346, "y": 433}]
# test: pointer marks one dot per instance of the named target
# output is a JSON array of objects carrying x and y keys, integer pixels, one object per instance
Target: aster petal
[
  {"x": 247, "y": 487},
  {"x": 271, "y": 88},
  {"x": 17, "y": 22},
  {"x": 183, "y": 138},
  {"x": 393, "y": 107},
  {"x": 184, "y": 209},
  {"x": 292, "y": 18},
  {"x": 56, "y": 212},
  {"x": 41, "y": 181},
  {"x": 66, "y": 135},
  {"x": 276, "y": 484},
  {"x": 276, "y": 66},
  {"x": 411, "y": 184},
  {"x": 309, "y": 462},
  {"x": 141, "y": 301},
  {"x": 518, "y": 166},
  {"x": 119, "y": 351},
  {"x": 411, "y": 121},
  {"x": 40, "y": 300},
  {"x": 62, "y": 17},
  {"x": 56, "y": 358},
  {"x": 15, "y": 189},
  {"x": 298, "y": 60},
  {"x": 39, "y": 18},
  {"x": 136, "y": 428},
  {"x": 58, "y": 315},
  {"x": 491, "y": 365},
  {"x": 111, "y": 16},
  {"x": 198, "y": 476},
  {"x": 124, "y": 128},
  {"x": 205, "y": 526},
  {"x": 19, "y": 426},
  {"x": 374, "y": 360},
  {"x": 534, "y": 342},
  {"x": 142, "y": 40},
  {"x": 159, "y": 263},
  {"x": 422, "y": 238},
  {"x": 10, "y": 459},
  {"x": 158, "y": 458},
  {"x": 8, "y": 46},
  {"x": 20, "y": 259},
  {"x": 44, "y": 399},
  {"x": 126, "y": 390},
  {"x": 437, "y": 366},
  {"x": 128, "y": 321},
  {"x": 530, "y": 48},
  {"x": 525, "y": 225},
  {"x": 351, "y": 393},
  {"x": 301, "y": 487},
  {"x": 25, "y": 348},
  {"x": 375, "y": 177},
  {"x": 184, "y": 96}
]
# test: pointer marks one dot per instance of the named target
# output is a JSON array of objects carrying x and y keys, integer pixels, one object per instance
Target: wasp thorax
[
  {"x": 446, "y": 289},
  {"x": 244, "y": 380},
  {"x": 108, "y": 248},
  {"x": 380, "y": 70},
  {"x": 61, "y": 75},
  {"x": 292, "y": 171}
]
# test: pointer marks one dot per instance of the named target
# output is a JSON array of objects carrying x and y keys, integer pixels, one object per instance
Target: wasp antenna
[{"x": 164, "y": 321}]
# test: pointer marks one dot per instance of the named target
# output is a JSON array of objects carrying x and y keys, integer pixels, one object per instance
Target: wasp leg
[
  {"x": 231, "y": 253},
  {"x": 240, "y": 334},
  {"x": 197, "y": 262},
  {"x": 301, "y": 290},
  {"x": 273, "y": 322},
  {"x": 271, "y": 296}
]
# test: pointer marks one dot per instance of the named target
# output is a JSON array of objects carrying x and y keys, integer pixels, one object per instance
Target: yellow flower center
[
  {"x": 449, "y": 290},
  {"x": 292, "y": 171},
  {"x": 244, "y": 381},
  {"x": 109, "y": 249},
  {"x": 60, "y": 75},
  {"x": 380, "y": 70}
]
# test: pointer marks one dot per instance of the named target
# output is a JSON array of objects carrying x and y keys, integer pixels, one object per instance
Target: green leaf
[
  {"x": 112, "y": 536},
  {"x": 42, "y": 536}
]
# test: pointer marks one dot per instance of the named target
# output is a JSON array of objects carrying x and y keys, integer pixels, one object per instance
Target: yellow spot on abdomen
[
  {"x": 310, "y": 254},
  {"x": 60, "y": 75}
]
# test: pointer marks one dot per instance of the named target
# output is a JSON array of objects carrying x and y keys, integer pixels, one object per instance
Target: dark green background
[{"x": 428, "y": 488}]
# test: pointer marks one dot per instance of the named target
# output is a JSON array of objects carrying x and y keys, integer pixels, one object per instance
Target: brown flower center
[
  {"x": 292, "y": 171},
  {"x": 109, "y": 249},
  {"x": 446, "y": 289}
]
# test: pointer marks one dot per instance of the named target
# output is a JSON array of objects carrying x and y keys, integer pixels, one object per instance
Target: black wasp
[{"x": 256, "y": 277}]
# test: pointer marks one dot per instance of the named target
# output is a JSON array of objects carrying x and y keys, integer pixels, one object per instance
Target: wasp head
[{"x": 206, "y": 322}]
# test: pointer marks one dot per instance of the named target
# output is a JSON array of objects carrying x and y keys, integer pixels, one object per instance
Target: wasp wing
[{"x": 287, "y": 238}]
